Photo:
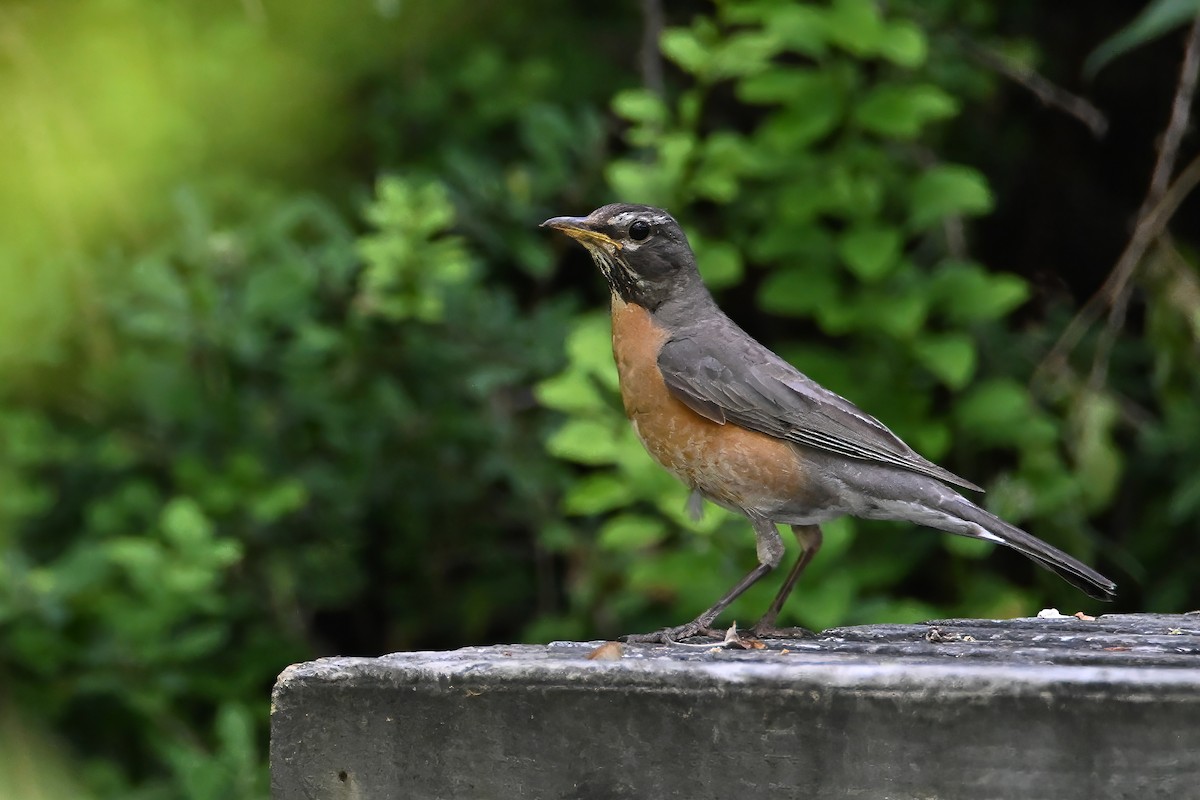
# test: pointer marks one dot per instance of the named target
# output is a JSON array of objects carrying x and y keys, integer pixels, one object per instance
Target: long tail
[{"x": 994, "y": 529}]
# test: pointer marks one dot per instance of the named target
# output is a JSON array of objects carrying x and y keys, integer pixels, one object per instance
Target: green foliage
[
  {"x": 244, "y": 420},
  {"x": 251, "y": 457},
  {"x": 945, "y": 191},
  {"x": 310, "y": 381},
  {"x": 409, "y": 267}
]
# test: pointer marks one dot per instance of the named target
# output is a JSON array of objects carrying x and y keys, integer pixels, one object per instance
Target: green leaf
[
  {"x": 837, "y": 319},
  {"x": 904, "y": 44},
  {"x": 184, "y": 522},
  {"x": 656, "y": 182},
  {"x": 236, "y": 733},
  {"x": 631, "y": 532},
  {"x": 1156, "y": 18},
  {"x": 948, "y": 190},
  {"x": 798, "y": 292},
  {"x": 931, "y": 440},
  {"x": 720, "y": 262},
  {"x": 640, "y": 105},
  {"x": 682, "y": 46},
  {"x": 589, "y": 346},
  {"x": 675, "y": 151},
  {"x": 999, "y": 411},
  {"x": 278, "y": 500},
  {"x": 571, "y": 391},
  {"x": 902, "y": 111},
  {"x": 584, "y": 441},
  {"x": 949, "y": 356},
  {"x": 795, "y": 127},
  {"x": 715, "y": 185},
  {"x": 900, "y": 313},
  {"x": 855, "y": 25},
  {"x": 595, "y": 494},
  {"x": 966, "y": 293},
  {"x": 724, "y": 157},
  {"x": 744, "y": 53},
  {"x": 799, "y": 28},
  {"x": 870, "y": 250},
  {"x": 638, "y": 180},
  {"x": 790, "y": 85},
  {"x": 853, "y": 192},
  {"x": 793, "y": 242},
  {"x": 814, "y": 102}
]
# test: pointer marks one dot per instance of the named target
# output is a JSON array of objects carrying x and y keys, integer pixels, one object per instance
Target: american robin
[{"x": 746, "y": 430}]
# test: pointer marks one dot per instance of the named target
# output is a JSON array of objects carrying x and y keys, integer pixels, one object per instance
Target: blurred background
[{"x": 288, "y": 370}]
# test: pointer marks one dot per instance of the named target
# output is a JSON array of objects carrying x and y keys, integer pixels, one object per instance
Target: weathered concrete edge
[{"x": 523, "y": 667}]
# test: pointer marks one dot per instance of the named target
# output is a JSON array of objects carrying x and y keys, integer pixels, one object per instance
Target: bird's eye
[{"x": 639, "y": 230}]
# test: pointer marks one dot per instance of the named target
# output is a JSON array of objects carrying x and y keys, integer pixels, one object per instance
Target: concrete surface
[{"x": 1034, "y": 708}]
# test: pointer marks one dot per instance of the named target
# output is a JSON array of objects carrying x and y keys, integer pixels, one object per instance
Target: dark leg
[
  {"x": 809, "y": 537},
  {"x": 770, "y": 552}
]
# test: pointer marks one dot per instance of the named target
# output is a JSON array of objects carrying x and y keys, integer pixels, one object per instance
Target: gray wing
[{"x": 752, "y": 387}]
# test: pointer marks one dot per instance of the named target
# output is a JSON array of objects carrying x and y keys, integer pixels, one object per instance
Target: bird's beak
[{"x": 579, "y": 229}]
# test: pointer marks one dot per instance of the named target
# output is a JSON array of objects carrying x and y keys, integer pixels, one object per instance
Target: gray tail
[{"x": 1072, "y": 570}]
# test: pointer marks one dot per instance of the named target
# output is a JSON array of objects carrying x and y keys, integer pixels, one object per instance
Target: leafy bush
[{"x": 251, "y": 476}]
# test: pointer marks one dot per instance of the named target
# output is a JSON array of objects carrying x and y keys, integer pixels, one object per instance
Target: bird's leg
[
  {"x": 770, "y": 553},
  {"x": 809, "y": 538}
]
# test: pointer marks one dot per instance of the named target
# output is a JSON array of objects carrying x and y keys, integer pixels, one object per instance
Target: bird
[{"x": 746, "y": 430}]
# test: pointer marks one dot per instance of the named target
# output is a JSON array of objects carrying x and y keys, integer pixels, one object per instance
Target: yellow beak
[{"x": 577, "y": 228}]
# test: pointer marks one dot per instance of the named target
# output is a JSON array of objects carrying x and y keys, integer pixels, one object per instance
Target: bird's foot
[
  {"x": 761, "y": 631},
  {"x": 673, "y": 635}
]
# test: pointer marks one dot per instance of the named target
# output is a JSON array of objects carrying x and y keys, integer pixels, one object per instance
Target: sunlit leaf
[
  {"x": 947, "y": 190},
  {"x": 901, "y": 111},
  {"x": 870, "y": 251},
  {"x": 949, "y": 356},
  {"x": 631, "y": 532}
]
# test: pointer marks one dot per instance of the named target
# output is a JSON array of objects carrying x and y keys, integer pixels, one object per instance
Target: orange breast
[{"x": 732, "y": 465}]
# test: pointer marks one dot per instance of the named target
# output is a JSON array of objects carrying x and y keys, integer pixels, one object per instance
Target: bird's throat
[{"x": 621, "y": 279}]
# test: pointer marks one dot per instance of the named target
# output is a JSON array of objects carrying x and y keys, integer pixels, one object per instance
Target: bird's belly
[
  {"x": 729, "y": 465},
  {"x": 733, "y": 466}
]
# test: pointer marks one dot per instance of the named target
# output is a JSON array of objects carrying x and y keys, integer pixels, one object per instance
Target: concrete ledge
[{"x": 1053, "y": 708}]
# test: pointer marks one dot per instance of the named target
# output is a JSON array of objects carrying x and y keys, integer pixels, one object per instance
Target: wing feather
[{"x": 754, "y": 388}]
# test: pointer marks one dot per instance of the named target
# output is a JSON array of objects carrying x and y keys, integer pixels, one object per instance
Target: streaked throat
[{"x": 616, "y": 270}]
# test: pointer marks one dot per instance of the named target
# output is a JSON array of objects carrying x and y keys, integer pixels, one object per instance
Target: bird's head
[{"x": 641, "y": 251}]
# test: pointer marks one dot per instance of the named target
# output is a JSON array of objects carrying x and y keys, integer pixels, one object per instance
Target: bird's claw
[{"x": 673, "y": 635}]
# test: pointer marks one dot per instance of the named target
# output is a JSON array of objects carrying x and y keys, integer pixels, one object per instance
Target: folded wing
[{"x": 755, "y": 389}]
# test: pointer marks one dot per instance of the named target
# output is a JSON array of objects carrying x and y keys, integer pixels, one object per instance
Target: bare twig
[
  {"x": 956, "y": 236},
  {"x": 649, "y": 57},
  {"x": 1181, "y": 107},
  {"x": 1050, "y": 94},
  {"x": 1158, "y": 206},
  {"x": 1147, "y": 230},
  {"x": 1164, "y": 167}
]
